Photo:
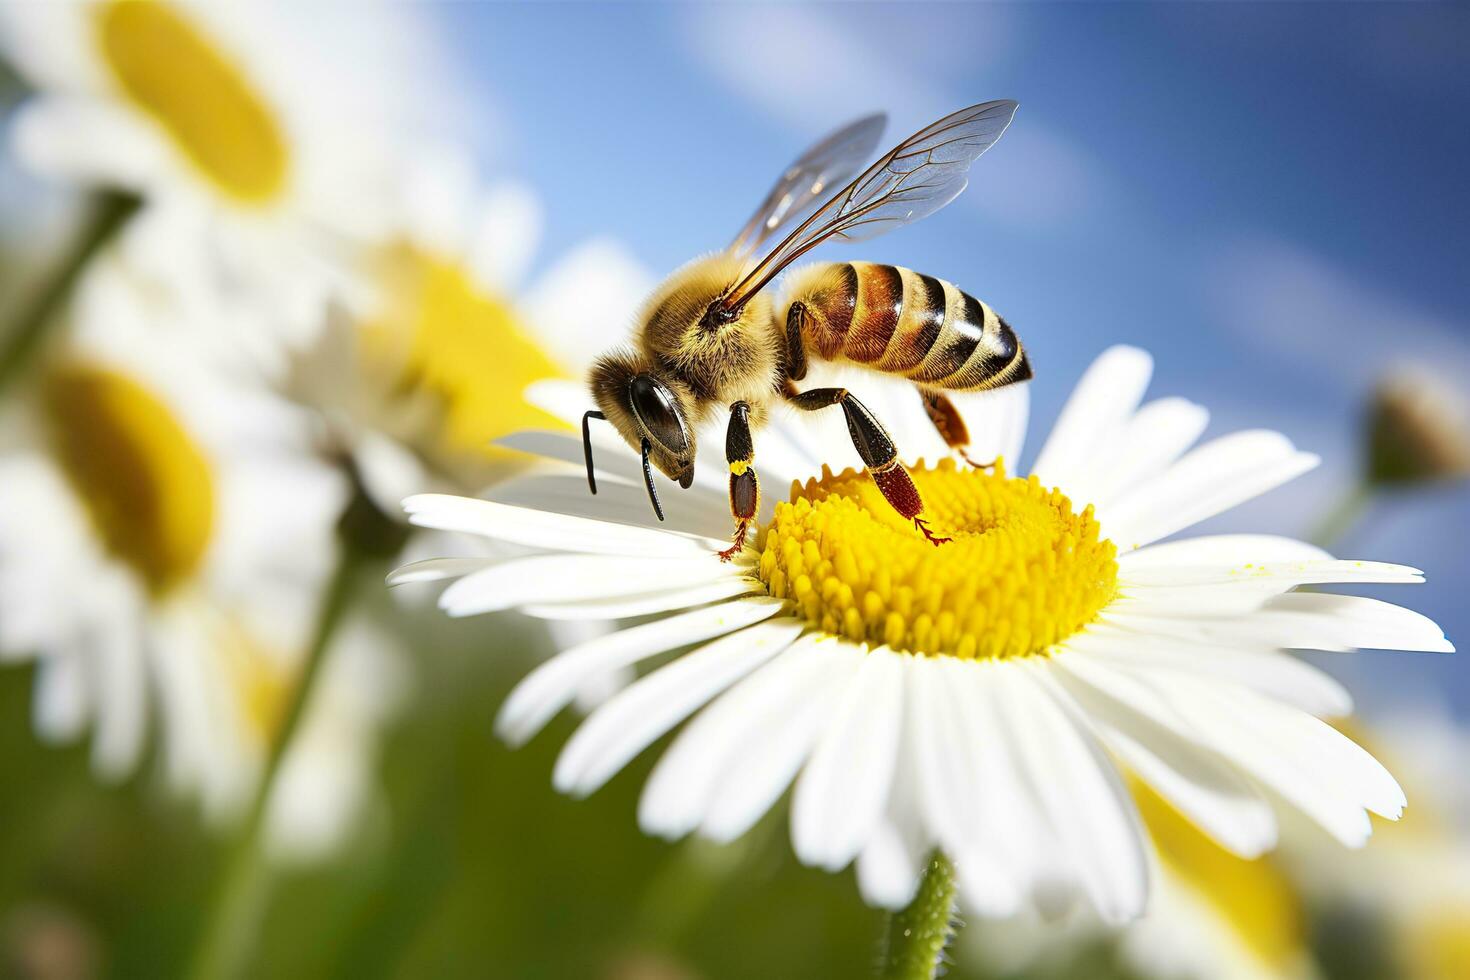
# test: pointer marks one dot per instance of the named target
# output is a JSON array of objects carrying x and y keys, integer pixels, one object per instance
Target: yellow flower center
[
  {"x": 449, "y": 336},
  {"x": 1254, "y": 898},
  {"x": 173, "y": 73},
  {"x": 144, "y": 481},
  {"x": 1023, "y": 572}
]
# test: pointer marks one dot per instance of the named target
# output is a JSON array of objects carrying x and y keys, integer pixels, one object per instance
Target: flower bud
[{"x": 1418, "y": 429}]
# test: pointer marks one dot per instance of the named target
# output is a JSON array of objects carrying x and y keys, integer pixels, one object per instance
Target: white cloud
[
  {"x": 812, "y": 72},
  {"x": 1296, "y": 304}
]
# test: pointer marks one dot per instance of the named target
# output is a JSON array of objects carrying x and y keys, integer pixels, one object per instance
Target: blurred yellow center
[
  {"x": 262, "y": 681},
  {"x": 142, "y": 478},
  {"x": 175, "y": 75},
  {"x": 1437, "y": 942},
  {"x": 1253, "y": 898},
  {"x": 455, "y": 339},
  {"x": 1023, "y": 572}
]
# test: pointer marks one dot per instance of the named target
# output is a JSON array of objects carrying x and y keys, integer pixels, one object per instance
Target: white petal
[
  {"x": 1103, "y": 400},
  {"x": 437, "y": 570},
  {"x": 888, "y": 869},
  {"x": 1259, "y": 737},
  {"x": 680, "y": 788},
  {"x": 844, "y": 787},
  {"x": 634, "y": 718},
  {"x": 1271, "y": 575},
  {"x": 1304, "y": 620},
  {"x": 1085, "y": 798},
  {"x": 566, "y": 578},
  {"x": 1153, "y": 439},
  {"x": 954, "y": 781},
  {"x": 770, "y": 757},
  {"x": 1222, "y": 549},
  {"x": 1011, "y": 819},
  {"x": 1207, "y": 481},
  {"x": 540, "y": 528},
  {"x": 614, "y": 460},
  {"x": 564, "y": 491},
  {"x": 122, "y": 698},
  {"x": 1189, "y": 775},
  {"x": 1268, "y": 671},
  {"x": 551, "y": 686},
  {"x": 624, "y": 607},
  {"x": 62, "y": 700}
]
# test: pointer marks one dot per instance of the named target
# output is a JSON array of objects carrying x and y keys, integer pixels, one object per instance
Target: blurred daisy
[
  {"x": 163, "y": 544},
  {"x": 326, "y": 789},
  {"x": 424, "y": 366},
  {"x": 277, "y": 149},
  {"x": 978, "y": 698},
  {"x": 1407, "y": 899}
]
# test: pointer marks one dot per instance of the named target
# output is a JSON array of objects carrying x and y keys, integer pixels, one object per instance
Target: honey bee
[{"x": 712, "y": 335}]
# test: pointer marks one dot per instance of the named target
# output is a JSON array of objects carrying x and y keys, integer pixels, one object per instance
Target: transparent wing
[
  {"x": 911, "y": 181},
  {"x": 829, "y": 162}
]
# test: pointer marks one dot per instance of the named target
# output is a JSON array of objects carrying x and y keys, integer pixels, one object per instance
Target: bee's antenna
[
  {"x": 587, "y": 446},
  {"x": 648, "y": 479}
]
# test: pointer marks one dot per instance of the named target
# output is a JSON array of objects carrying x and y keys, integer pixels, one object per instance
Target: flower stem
[
  {"x": 1342, "y": 516},
  {"x": 22, "y": 335},
  {"x": 918, "y": 936},
  {"x": 239, "y": 902}
]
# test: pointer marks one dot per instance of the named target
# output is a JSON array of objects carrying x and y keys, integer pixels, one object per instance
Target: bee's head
[{"x": 650, "y": 409}]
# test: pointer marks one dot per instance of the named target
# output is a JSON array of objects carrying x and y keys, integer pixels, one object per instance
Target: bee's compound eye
[{"x": 655, "y": 407}]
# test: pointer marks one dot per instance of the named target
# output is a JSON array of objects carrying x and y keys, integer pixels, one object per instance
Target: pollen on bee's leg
[
  {"x": 929, "y": 535},
  {"x": 745, "y": 502},
  {"x": 899, "y": 490},
  {"x": 741, "y": 530}
]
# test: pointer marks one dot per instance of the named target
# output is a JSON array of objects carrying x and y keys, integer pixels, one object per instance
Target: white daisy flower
[
  {"x": 134, "y": 489},
  {"x": 983, "y": 697},
  {"x": 241, "y": 117},
  {"x": 425, "y": 366}
]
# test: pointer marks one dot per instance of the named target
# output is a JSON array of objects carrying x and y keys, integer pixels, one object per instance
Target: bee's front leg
[
  {"x": 878, "y": 453},
  {"x": 745, "y": 488}
]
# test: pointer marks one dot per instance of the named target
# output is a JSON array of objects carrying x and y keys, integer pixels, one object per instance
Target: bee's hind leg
[
  {"x": 876, "y": 448},
  {"x": 745, "y": 488},
  {"x": 951, "y": 426}
]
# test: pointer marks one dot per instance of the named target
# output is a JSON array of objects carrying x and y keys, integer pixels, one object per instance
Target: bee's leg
[
  {"x": 795, "y": 346},
  {"x": 951, "y": 425},
  {"x": 745, "y": 488},
  {"x": 876, "y": 449}
]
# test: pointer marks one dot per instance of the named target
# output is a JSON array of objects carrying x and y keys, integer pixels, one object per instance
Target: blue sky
[{"x": 1271, "y": 198}]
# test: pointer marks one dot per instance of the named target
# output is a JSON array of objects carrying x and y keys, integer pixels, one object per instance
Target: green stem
[
  {"x": 918, "y": 936},
  {"x": 1339, "y": 519},
  {"x": 22, "y": 335},
  {"x": 239, "y": 902}
]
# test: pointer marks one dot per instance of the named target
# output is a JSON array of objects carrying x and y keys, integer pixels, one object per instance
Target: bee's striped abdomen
[{"x": 907, "y": 324}]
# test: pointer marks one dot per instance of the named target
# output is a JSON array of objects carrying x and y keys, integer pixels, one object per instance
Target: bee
[{"x": 712, "y": 335}]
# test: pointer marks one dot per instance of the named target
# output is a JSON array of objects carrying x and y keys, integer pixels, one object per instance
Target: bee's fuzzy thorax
[{"x": 739, "y": 360}]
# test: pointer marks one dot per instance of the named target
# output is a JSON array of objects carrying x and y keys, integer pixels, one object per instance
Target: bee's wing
[
  {"x": 826, "y": 163},
  {"x": 911, "y": 181}
]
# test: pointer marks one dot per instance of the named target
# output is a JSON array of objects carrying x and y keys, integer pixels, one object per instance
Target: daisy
[
  {"x": 984, "y": 698},
  {"x": 276, "y": 147},
  {"x": 134, "y": 487},
  {"x": 422, "y": 366}
]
